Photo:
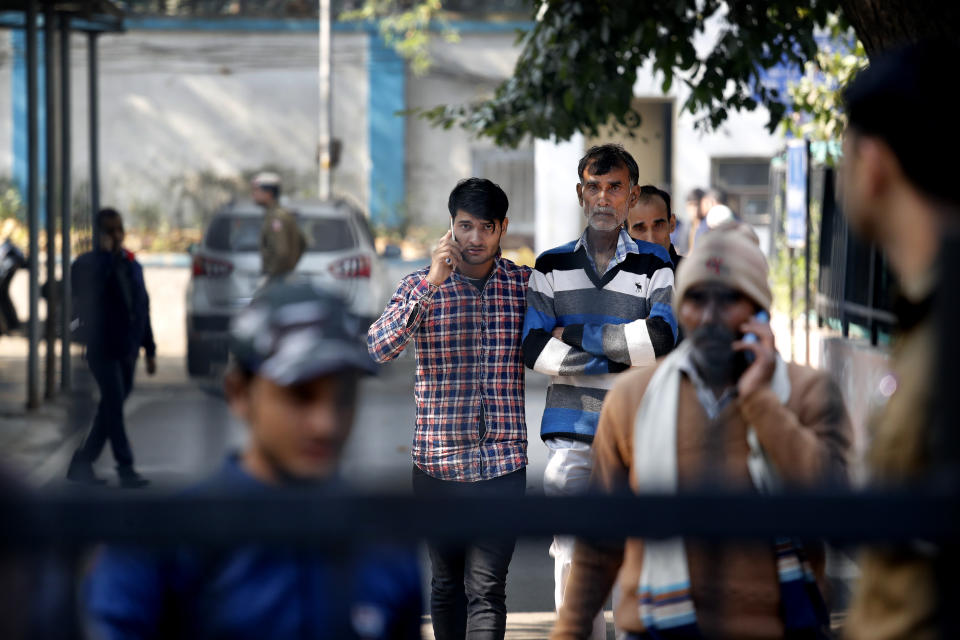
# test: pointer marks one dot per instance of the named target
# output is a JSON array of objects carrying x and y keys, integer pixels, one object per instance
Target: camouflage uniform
[{"x": 281, "y": 242}]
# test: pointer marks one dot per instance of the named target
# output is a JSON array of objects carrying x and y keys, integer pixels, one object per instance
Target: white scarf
[{"x": 664, "y": 589}]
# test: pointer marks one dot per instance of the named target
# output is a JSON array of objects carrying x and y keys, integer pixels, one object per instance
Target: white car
[{"x": 226, "y": 271}]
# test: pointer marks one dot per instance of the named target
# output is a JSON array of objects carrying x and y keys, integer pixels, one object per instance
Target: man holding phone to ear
[
  {"x": 465, "y": 314},
  {"x": 708, "y": 416}
]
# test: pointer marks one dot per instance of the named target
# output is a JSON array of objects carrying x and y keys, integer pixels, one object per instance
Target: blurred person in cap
[
  {"x": 720, "y": 410},
  {"x": 464, "y": 313},
  {"x": 899, "y": 193},
  {"x": 281, "y": 241},
  {"x": 112, "y": 318},
  {"x": 652, "y": 220},
  {"x": 296, "y": 362}
]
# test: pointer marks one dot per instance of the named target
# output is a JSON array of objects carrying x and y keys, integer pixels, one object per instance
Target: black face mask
[{"x": 713, "y": 354}]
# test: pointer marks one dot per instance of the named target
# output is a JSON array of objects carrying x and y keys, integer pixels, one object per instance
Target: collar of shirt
[
  {"x": 497, "y": 266},
  {"x": 625, "y": 245},
  {"x": 710, "y": 403}
]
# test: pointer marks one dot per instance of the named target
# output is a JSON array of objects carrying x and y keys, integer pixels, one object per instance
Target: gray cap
[{"x": 294, "y": 332}]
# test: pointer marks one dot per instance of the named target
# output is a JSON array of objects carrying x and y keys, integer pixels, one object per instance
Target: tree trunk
[{"x": 886, "y": 24}]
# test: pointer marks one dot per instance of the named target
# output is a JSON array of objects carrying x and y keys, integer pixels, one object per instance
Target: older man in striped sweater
[{"x": 595, "y": 307}]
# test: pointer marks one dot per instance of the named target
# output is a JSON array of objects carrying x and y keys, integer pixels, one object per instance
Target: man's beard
[
  {"x": 713, "y": 353},
  {"x": 603, "y": 224}
]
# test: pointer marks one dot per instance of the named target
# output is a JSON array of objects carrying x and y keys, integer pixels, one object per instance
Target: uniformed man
[{"x": 281, "y": 240}]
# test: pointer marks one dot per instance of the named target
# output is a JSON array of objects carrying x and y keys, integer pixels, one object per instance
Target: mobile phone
[
  {"x": 452, "y": 237},
  {"x": 751, "y": 338}
]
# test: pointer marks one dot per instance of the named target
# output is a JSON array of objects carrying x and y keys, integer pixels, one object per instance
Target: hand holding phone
[
  {"x": 452, "y": 237},
  {"x": 751, "y": 338},
  {"x": 756, "y": 354}
]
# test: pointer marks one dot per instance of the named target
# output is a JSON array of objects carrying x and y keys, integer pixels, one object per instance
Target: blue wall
[
  {"x": 387, "y": 133},
  {"x": 20, "y": 143}
]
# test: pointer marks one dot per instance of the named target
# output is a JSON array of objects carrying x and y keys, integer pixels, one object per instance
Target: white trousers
[{"x": 568, "y": 474}]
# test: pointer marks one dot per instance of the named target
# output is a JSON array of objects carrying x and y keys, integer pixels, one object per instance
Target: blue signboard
[{"x": 796, "y": 194}]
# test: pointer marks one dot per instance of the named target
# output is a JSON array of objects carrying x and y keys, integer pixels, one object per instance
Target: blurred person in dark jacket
[
  {"x": 112, "y": 312},
  {"x": 296, "y": 363},
  {"x": 899, "y": 193}
]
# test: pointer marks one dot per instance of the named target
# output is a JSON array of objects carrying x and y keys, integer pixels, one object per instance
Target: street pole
[
  {"x": 324, "y": 123},
  {"x": 33, "y": 214},
  {"x": 49, "y": 69},
  {"x": 807, "y": 253},
  {"x": 65, "y": 213},
  {"x": 94, "y": 114}
]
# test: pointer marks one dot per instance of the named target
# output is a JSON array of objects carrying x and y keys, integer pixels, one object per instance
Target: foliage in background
[
  {"x": 578, "y": 64},
  {"x": 11, "y": 205},
  {"x": 817, "y": 99},
  {"x": 406, "y": 26}
]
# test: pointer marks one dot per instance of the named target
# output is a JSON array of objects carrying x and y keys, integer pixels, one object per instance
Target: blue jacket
[
  {"x": 254, "y": 592},
  {"x": 111, "y": 304}
]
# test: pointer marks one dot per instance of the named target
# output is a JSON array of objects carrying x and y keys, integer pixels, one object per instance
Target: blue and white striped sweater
[{"x": 611, "y": 323}]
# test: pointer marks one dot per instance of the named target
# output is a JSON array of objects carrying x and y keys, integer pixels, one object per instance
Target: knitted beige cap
[{"x": 728, "y": 255}]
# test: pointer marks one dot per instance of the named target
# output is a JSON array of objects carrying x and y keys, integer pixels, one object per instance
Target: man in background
[
  {"x": 281, "y": 241},
  {"x": 652, "y": 220},
  {"x": 112, "y": 316}
]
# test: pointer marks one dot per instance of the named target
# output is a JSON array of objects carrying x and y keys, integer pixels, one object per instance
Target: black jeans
[
  {"x": 468, "y": 588},
  {"x": 114, "y": 376}
]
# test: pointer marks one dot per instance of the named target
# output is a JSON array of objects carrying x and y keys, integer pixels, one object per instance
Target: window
[
  {"x": 513, "y": 171},
  {"x": 747, "y": 183},
  {"x": 242, "y": 233}
]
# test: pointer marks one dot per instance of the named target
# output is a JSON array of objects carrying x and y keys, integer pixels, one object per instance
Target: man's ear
[
  {"x": 236, "y": 386},
  {"x": 673, "y": 223},
  {"x": 634, "y": 195},
  {"x": 580, "y": 193},
  {"x": 503, "y": 226}
]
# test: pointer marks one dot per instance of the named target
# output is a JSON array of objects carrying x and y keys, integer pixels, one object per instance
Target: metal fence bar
[{"x": 298, "y": 517}]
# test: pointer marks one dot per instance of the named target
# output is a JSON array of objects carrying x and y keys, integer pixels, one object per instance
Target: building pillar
[
  {"x": 387, "y": 134},
  {"x": 559, "y": 218}
]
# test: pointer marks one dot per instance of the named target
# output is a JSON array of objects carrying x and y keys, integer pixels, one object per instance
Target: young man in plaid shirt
[{"x": 465, "y": 314}]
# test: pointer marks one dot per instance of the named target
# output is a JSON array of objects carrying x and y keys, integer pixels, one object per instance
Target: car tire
[{"x": 198, "y": 362}]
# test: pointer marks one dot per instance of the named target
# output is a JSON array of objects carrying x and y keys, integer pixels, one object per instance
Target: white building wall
[
  {"x": 177, "y": 105},
  {"x": 462, "y": 72}
]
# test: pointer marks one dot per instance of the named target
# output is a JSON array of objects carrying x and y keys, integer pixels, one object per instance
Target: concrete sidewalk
[{"x": 526, "y": 625}]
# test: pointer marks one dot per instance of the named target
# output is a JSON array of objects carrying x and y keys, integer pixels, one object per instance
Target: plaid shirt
[{"x": 468, "y": 358}]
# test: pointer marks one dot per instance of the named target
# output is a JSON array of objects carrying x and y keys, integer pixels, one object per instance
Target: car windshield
[{"x": 242, "y": 233}]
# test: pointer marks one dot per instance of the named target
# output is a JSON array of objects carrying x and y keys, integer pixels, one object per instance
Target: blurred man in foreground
[
  {"x": 112, "y": 311},
  {"x": 724, "y": 411},
  {"x": 901, "y": 194},
  {"x": 297, "y": 362}
]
